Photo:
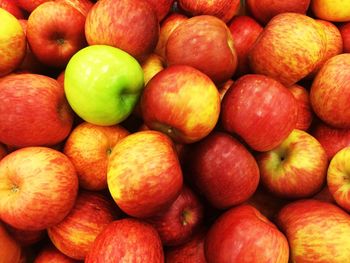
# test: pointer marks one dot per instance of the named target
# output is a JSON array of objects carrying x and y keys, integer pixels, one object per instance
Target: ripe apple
[
  {"x": 222, "y": 9},
  {"x": 331, "y": 10},
  {"x": 317, "y": 231},
  {"x": 30, "y": 5},
  {"x": 55, "y": 33},
  {"x": 12, "y": 43},
  {"x": 338, "y": 180},
  {"x": 205, "y": 43},
  {"x": 224, "y": 88},
  {"x": 33, "y": 180},
  {"x": 252, "y": 108},
  {"x": 218, "y": 162},
  {"x": 50, "y": 254},
  {"x": 127, "y": 240},
  {"x": 33, "y": 111},
  {"x": 75, "y": 234},
  {"x": 10, "y": 251},
  {"x": 161, "y": 7},
  {"x": 103, "y": 91},
  {"x": 264, "y": 10},
  {"x": 131, "y": 25},
  {"x": 345, "y": 33},
  {"x": 324, "y": 195},
  {"x": 26, "y": 238},
  {"x": 296, "y": 168},
  {"x": 330, "y": 92},
  {"x": 182, "y": 102},
  {"x": 289, "y": 48},
  {"x": 151, "y": 66},
  {"x": 245, "y": 31},
  {"x": 144, "y": 175},
  {"x": 177, "y": 224},
  {"x": 242, "y": 234},
  {"x": 83, "y": 6},
  {"x": 11, "y": 7}
]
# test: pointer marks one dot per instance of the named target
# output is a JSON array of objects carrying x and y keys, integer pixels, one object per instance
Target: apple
[
  {"x": 127, "y": 240},
  {"x": 50, "y": 254},
  {"x": 11, "y": 7},
  {"x": 55, "y": 33},
  {"x": 316, "y": 231},
  {"x": 103, "y": 91},
  {"x": 30, "y": 5},
  {"x": 75, "y": 234},
  {"x": 33, "y": 111},
  {"x": 26, "y": 238},
  {"x": 224, "y": 88},
  {"x": 161, "y": 7},
  {"x": 130, "y": 25},
  {"x": 330, "y": 92},
  {"x": 83, "y": 6},
  {"x": 218, "y": 162},
  {"x": 60, "y": 78},
  {"x": 32, "y": 180},
  {"x": 168, "y": 25},
  {"x": 192, "y": 251},
  {"x": 245, "y": 31},
  {"x": 177, "y": 224},
  {"x": 345, "y": 33},
  {"x": 305, "y": 114},
  {"x": 324, "y": 195},
  {"x": 151, "y": 66},
  {"x": 222, "y": 9},
  {"x": 331, "y": 10},
  {"x": 144, "y": 175},
  {"x": 10, "y": 251},
  {"x": 182, "y": 102},
  {"x": 337, "y": 178},
  {"x": 12, "y": 43},
  {"x": 252, "y": 108},
  {"x": 205, "y": 43},
  {"x": 264, "y": 10},
  {"x": 297, "y": 168},
  {"x": 89, "y": 147},
  {"x": 242, "y": 234},
  {"x": 289, "y": 48}
]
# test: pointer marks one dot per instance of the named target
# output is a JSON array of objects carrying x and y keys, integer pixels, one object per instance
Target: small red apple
[
  {"x": 11, "y": 6},
  {"x": 50, "y": 254},
  {"x": 10, "y": 251},
  {"x": 345, "y": 33}
]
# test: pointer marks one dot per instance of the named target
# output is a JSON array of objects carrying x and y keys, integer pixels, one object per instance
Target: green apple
[{"x": 103, "y": 84}]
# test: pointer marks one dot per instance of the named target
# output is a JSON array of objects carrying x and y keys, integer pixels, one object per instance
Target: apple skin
[
  {"x": 151, "y": 66},
  {"x": 181, "y": 102},
  {"x": 33, "y": 111},
  {"x": 331, "y": 10},
  {"x": 191, "y": 43},
  {"x": 317, "y": 231},
  {"x": 12, "y": 43},
  {"x": 127, "y": 240},
  {"x": 264, "y": 10},
  {"x": 330, "y": 92},
  {"x": 50, "y": 254},
  {"x": 251, "y": 108},
  {"x": 75, "y": 234},
  {"x": 296, "y": 168},
  {"x": 337, "y": 178},
  {"x": 33, "y": 179},
  {"x": 103, "y": 91},
  {"x": 161, "y": 7},
  {"x": 245, "y": 31},
  {"x": 11, "y": 7},
  {"x": 181, "y": 220},
  {"x": 83, "y": 6},
  {"x": 289, "y": 48},
  {"x": 144, "y": 175},
  {"x": 261, "y": 241},
  {"x": 26, "y": 237},
  {"x": 55, "y": 41},
  {"x": 305, "y": 114},
  {"x": 345, "y": 33},
  {"x": 30, "y": 5},
  {"x": 11, "y": 251},
  {"x": 120, "y": 29},
  {"x": 222, "y": 9},
  {"x": 223, "y": 170},
  {"x": 88, "y": 147}
]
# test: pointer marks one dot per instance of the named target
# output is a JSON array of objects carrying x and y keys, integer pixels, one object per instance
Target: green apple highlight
[{"x": 103, "y": 84}]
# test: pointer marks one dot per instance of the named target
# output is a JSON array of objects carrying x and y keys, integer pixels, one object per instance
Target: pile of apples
[{"x": 188, "y": 131}]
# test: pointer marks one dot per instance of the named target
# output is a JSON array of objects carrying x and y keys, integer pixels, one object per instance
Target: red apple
[
  {"x": 83, "y": 6},
  {"x": 30, "y": 5},
  {"x": 60, "y": 78},
  {"x": 130, "y": 25},
  {"x": 324, "y": 195},
  {"x": 219, "y": 162},
  {"x": 205, "y": 43},
  {"x": 10, "y": 251},
  {"x": 296, "y": 168},
  {"x": 180, "y": 221},
  {"x": 127, "y": 240},
  {"x": 222, "y": 9},
  {"x": 242, "y": 234},
  {"x": 32, "y": 180},
  {"x": 330, "y": 92},
  {"x": 264, "y": 10},
  {"x": 11, "y": 7},
  {"x": 75, "y": 234},
  {"x": 33, "y": 111},
  {"x": 317, "y": 231},
  {"x": 144, "y": 175},
  {"x": 50, "y": 254},
  {"x": 55, "y": 33},
  {"x": 345, "y": 33},
  {"x": 161, "y": 7},
  {"x": 260, "y": 110},
  {"x": 26, "y": 237},
  {"x": 245, "y": 31}
]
